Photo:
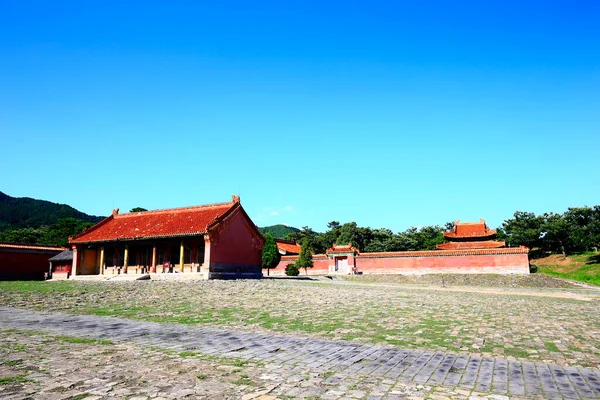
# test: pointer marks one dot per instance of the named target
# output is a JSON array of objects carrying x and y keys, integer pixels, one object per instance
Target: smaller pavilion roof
[
  {"x": 470, "y": 230},
  {"x": 288, "y": 246},
  {"x": 66, "y": 255},
  {"x": 336, "y": 249}
]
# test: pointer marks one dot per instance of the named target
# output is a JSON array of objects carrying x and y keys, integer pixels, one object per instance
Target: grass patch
[
  {"x": 46, "y": 287},
  {"x": 327, "y": 375},
  {"x": 551, "y": 347},
  {"x": 244, "y": 381},
  {"x": 11, "y": 363},
  {"x": 584, "y": 267},
  {"x": 239, "y": 363},
  {"x": 201, "y": 376},
  {"x": 13, "y": 379},
  {"x": 516, "y": 353},
  {"x": 80, "y": 396},
  {"x": 82, "y": 340}
]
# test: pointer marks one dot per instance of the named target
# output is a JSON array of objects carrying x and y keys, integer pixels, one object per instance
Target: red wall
[
  {"x": 63, "y": 268},
  {"x": 320, "y": 266},
  {"x": 463, "y": 264},
  {"x": 235, "y": 250},
  {"x": 392, "y": 264},
  {"x": 24, "y": 264}
]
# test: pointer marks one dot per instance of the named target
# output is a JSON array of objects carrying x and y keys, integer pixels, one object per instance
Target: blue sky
[{"x": 390, "y": 114}]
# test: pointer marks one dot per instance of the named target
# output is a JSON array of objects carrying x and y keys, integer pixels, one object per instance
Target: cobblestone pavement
[
  {"x": 315, "y": 368},
  {"x": 541, "y": 325}
]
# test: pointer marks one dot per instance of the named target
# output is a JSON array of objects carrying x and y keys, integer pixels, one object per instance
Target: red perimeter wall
[
  {"x": 25, "y": 264},
  {"x": 458, "y": 264},
  {"x": 407, "y": 264}
]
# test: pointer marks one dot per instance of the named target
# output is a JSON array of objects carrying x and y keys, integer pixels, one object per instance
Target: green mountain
[
  {"x": 278, "y": 231},
  {"x": 25, "y": 212}
]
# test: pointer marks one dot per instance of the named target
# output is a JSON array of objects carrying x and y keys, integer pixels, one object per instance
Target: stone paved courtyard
[
  {"x": 328, "y": 363},
  {"x": 399, "y": 341}
]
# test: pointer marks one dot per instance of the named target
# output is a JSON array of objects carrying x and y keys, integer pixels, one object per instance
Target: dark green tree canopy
[
  {"x": 576, "y": 230},
  {"x": 270, "y": 253},
  {"x": 305, "y": 259},
  {"x": 52, "y": 235},
  {"x": 137, "y": 209},
  {"x": 278, "y": 231}
]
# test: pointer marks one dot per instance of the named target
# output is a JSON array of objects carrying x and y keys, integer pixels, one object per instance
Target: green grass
[
  {"x": 80, "y": 396},
  {"x": 11, "y": 363},
  {"x": 244, "y": 381},
  {"x": 82, "y": 340},
  {"x": 46, "y": 286},
  {"x": 13, "y": 379},
  {"x": 551, "y": 347},
  {"x": 584, "y": 267},
  {"x": 517, "y": 353}
]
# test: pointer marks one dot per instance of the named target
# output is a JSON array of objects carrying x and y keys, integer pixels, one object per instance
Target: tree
[
  {"x": 524, "y": 229},
  {"x": 556, "y": 233},
  {"x": 359, "y": 237},
  {"x": 59, "y": 233},
  {"x": 270, "y": 253},
  {"x": 429, "y": 236},
  {"x": 305, "y": 259},
  {"x": 291, "y": 270},
  {"x": 137, "y": 209},
  {"x": 308, "y": 237}
]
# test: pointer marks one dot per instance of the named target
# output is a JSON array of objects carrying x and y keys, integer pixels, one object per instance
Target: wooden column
[
  {"x": 206, "y": 262},
  {"x": 102, "y": 260},
  {"x": 194, "y": 256},
  {"x": 75, "y": 262},
  {"x": 126, "y": 255},
  {"x": 181, "y": 253},
  {"x": 154, "y": 258}
]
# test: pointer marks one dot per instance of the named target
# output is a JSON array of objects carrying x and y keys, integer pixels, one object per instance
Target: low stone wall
[
  {"x": 480, "y": 261},
  {"x": 320, "y": 266}
]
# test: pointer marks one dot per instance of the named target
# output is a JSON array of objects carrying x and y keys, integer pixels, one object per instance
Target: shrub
[
  {"x": 291, "y": 270},
  {"x": 533, "y": 268}
]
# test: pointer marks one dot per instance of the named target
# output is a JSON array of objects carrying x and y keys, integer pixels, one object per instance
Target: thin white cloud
[{"x": 268, "y": 213}]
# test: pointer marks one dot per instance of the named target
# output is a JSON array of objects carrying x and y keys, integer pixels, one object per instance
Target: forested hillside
[
  {"x": 25, "y": 212},
  {"x": 27, "y": 220},
  {"x": 278, "y": 231}
]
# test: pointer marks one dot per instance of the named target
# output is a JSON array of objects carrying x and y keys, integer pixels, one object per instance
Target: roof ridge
[
  {"x": 33, "y": 246},
  {"x": 175, "y": 209}
]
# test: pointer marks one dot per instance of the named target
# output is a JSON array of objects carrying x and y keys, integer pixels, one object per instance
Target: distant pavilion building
[
  {"x": 214, "y": 240},
  {"x": 470, "y": 235}
]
